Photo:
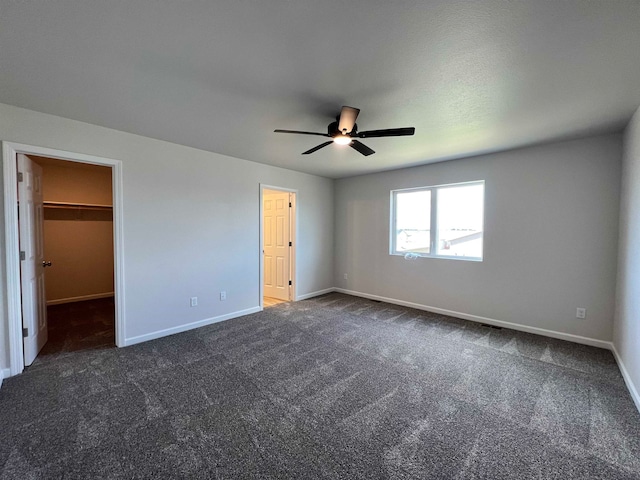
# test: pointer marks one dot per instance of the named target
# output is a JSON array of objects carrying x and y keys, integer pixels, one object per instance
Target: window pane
[
  {"x": 413, "y": 222},
  {"x": 459, "y": 220}
]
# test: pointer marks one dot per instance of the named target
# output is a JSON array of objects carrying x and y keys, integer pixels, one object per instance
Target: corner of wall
[
  {"x": 626, "y": 325},
  {"x": 635, "y": 394}
]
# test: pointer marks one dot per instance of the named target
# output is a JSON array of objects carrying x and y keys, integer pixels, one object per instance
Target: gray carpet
[
  {"x": 80, "y": 326},
  {"x": 332, "y": 387}
]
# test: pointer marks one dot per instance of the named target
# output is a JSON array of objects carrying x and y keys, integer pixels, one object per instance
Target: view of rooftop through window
[
  {"x": 443, "y": 221},
  {"x": 413, "y": 221}
]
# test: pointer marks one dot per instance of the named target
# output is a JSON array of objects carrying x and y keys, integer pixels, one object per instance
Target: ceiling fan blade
[
  {"x": 389, "y": 132},
  {"x": 302, "y": 133},
  {"x": 315, "y": 149},
  {"x": 362, "y": 148},
  {"x": 348, "y": 117}
]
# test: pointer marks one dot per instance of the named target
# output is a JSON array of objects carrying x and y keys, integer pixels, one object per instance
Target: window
[{"x": 440, "y": 221}]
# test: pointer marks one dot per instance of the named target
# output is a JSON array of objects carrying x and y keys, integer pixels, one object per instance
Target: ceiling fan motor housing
[{"x": 333, "y": 129}]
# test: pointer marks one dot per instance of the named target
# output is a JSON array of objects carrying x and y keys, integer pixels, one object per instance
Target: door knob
[{"x": 46, "y": 264}]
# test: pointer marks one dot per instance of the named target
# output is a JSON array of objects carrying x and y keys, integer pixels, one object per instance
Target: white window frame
[{"x": 433, "y": 220}]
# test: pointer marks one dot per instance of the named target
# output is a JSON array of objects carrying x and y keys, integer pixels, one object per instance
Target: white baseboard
[
  {"x": 189, "y": 326},
  {"x": 315, "y": 294},
  {"x": 4, "y": 373},
  {"x": 633, "y": 390},
  {"x": 490, "y": 321},
  {"x": 81, "y": 298}
]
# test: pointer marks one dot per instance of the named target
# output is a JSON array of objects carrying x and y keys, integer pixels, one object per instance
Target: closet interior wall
[{"x": 78, "y": 230}]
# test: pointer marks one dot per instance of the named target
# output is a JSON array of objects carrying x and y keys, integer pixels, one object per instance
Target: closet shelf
[{"x": 77, "y": 206}]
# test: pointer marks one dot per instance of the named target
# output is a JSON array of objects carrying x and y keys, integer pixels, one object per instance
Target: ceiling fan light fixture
[
  {"x": 344, "y": 132},
  {"x": 342, "y": 139}
]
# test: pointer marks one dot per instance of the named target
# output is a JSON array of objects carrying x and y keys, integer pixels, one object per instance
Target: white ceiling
[{"x": 220, "y": 75}]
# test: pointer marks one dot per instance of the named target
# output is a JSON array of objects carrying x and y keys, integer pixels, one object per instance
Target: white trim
[
  {"x": 4, "y": 373},
  {"x": 293, "y": 235},
  {"x": 12, "y": 266},
  {"x": 491, "y": 321},
  {"x": 294, "y": 240},
  {"x": 118, "y": 257},
  {"x": 81, "y": 298},
  {"x": 189, "y": 326},
  {"x": 633, "y": 390},
  {"x": 315, "y": 294},
  {"x": 10, "y": 151}
]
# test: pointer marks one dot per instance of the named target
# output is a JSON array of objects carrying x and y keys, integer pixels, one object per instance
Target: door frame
[
  {"x": 293, "y": 229},
  {"x": 10, "y": 150}
]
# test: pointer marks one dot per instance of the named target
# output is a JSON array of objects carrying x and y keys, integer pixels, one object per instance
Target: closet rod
[{"x": 82, "y": 206}]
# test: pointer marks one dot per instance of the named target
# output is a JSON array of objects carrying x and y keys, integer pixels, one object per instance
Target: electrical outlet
[
  {"x": 345, "y": 276},
  {"x": 223, "y": 296},
  {"x": 581, "y": 312},
  {"x": 194, "y": 301}
]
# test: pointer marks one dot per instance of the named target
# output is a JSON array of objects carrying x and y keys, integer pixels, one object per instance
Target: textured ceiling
[{"x": 220, "y": 75}]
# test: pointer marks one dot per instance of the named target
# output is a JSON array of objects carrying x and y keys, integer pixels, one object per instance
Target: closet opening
[{"x": 70, "y": 291}]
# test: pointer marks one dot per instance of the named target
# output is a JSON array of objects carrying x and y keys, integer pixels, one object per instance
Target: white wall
[
  {"x": 626, "y": 337},
  {"x": 551, "y": 232},
  {"x": 191, "y": 222}
]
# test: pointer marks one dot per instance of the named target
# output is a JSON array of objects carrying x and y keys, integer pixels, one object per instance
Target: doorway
[
  {"x": 16, "y": 240},
  {"x": 77, "y": 262},
  {"x": 278, "y": 247}
]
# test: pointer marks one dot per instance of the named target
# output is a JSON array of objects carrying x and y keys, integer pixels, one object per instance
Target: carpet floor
[
  {"x": 332, "y": 387},
  {"x": 79, "y": 326}
]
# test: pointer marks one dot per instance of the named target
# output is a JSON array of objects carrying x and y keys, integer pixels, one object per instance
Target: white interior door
[
  {"x": 277, "y": 249},
  {"x": 32, "y": 263}
]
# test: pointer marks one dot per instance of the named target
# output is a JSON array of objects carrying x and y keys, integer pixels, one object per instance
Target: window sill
[{"x": 440, "y": 257}]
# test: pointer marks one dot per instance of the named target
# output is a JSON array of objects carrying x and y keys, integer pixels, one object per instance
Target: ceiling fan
[{"x": 344, "y": 131}]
